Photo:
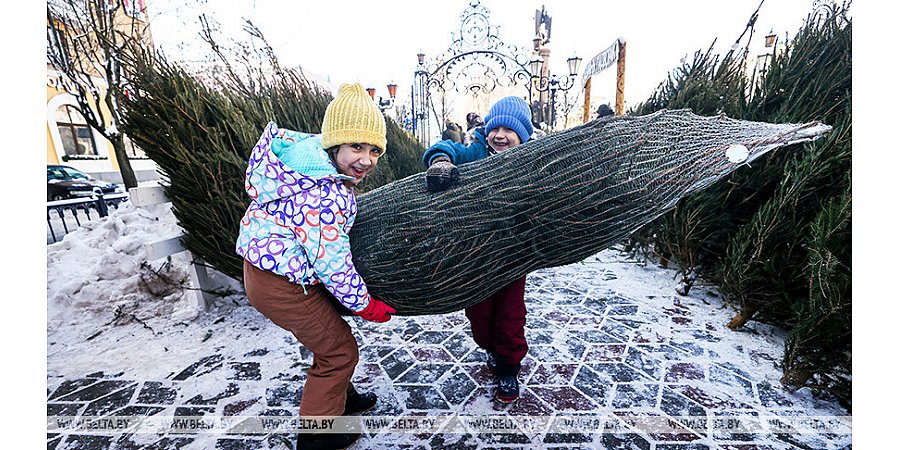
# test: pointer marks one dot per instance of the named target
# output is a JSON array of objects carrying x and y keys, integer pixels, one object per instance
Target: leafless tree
[{"x": 86, "y": 41}]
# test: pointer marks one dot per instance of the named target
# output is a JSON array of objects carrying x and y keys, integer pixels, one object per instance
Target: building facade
[{"x": 70, "y": 140}]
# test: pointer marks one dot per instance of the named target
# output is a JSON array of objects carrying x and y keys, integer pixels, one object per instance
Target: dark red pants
[{"x": 498, "y": 323}]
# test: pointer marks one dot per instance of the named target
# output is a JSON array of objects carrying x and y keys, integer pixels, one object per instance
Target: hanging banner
[{"x": 602, "y": 61}]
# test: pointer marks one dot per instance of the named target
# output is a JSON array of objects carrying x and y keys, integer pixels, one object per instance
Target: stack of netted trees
[{"x": 776, "y": 238}]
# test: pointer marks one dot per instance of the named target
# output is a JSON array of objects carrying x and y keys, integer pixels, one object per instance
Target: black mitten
[{"x": 441, "y": 174}]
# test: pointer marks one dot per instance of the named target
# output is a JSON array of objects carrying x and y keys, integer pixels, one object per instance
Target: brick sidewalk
[{"x": 595, "y": 348}]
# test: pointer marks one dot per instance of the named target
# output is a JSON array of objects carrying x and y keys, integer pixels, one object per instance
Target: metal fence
[{"x": 63, "y": 216}]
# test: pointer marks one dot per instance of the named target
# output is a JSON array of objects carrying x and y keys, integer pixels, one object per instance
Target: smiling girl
[{"x": 296, "y": 249}]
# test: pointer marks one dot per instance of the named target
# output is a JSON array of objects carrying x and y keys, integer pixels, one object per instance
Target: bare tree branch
[{"x": 86, "y": 41}]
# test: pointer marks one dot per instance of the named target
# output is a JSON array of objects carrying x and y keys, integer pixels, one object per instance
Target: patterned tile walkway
[{"x": 598, "y": 348}]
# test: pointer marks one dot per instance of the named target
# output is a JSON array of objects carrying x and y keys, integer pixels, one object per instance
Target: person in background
[
  {"x": 538, "y": 130},
  {"x": 497, "y": 322},
  {"x": 296, "y": 249},
  {"x": 603, "y": 111},
  {"x": 473, "y": 121},
  {"x": 452, "y": 131}
]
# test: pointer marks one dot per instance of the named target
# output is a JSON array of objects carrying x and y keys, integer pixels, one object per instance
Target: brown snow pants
[{"x": 315, "y": 322}]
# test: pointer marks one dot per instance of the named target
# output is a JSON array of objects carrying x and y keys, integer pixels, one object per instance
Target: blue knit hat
[{"x": 513, "y": 113}]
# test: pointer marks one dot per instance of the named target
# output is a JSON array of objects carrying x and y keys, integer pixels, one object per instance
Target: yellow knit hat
[{"x": 353, "y": 117}]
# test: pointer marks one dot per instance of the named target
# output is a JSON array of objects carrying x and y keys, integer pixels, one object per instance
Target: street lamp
[
  {"x": 763, "y": 59},
  {"x": 574, "y": 62},
  {"x": 419, "y": 101},
  {"x": 771, "y": 39},
  {"x": 384, "y": 104},
  {"x": 554, "y": 83}
]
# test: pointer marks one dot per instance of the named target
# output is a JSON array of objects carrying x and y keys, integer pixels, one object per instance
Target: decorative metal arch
[{"x": 476, "y": 63}]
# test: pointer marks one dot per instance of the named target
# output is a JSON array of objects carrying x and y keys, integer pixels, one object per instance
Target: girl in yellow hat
[{"x": 296, "y": 249}]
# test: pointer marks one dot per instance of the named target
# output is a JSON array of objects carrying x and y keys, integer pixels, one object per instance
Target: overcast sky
[{"x": 376, "y": 42}]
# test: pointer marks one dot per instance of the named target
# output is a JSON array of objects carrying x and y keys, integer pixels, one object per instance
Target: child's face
[
  {"x": 357, "y": 160},
  {"x": 502, "y": 138}
]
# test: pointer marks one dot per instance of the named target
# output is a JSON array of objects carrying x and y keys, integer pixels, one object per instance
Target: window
[
  {"x": 65, "y": 173},
  {"x": 59, "y": 46},
  {"x": 76, "y": 135},
  {"x": 75, "y": 174},
  {"x": 55, "y": 173}
]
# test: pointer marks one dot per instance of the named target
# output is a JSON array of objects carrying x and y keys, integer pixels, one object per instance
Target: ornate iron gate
[{"x": 476, "y": 63}]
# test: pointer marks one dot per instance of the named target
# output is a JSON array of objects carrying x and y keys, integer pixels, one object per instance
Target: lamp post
[
  {"x": 419, "y": 102},
  {"x": 544, "y": 81},
  {"x": 382, "y": 103},
  {"x": 762, "y": 60},
  {"x": 771, "y": 43}
]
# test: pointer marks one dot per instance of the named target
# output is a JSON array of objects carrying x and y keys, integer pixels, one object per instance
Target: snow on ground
[
  {"x": 113, "y": 316},
  {"x": 102, "y": 267}
]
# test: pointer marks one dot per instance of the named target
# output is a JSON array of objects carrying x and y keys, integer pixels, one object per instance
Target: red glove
[{"x": 376, "y": 311}]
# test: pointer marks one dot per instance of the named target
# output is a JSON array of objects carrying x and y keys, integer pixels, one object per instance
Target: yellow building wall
[
  {"x": 52, "y": 158},
  {"x": 51, "y": 151},
  {"x": 125, "y": 24},
  {"x": 52, "y": 155}
]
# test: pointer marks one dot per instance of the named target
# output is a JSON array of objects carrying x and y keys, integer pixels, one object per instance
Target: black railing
[{"x": 67, "y": 211}]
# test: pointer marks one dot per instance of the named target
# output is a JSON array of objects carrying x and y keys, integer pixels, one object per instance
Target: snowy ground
[{"x": 609, "y": 339}]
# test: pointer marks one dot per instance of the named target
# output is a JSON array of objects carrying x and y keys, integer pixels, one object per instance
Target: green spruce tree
[{"x": 753, "y": 233}]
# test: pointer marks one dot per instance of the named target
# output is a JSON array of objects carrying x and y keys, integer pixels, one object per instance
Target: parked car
[{"x": 68, "y": 182}]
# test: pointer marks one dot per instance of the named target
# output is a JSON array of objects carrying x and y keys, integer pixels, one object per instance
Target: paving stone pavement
[{"x": 595, "y": 350}]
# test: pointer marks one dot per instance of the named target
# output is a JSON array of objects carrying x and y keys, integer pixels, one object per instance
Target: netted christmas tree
[
  {"x": 549, "y": 202},
  {"x": 759, "y": 235}
]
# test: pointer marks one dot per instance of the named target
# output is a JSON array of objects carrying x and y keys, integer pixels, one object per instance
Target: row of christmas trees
[{"x": 776, "y": 237}]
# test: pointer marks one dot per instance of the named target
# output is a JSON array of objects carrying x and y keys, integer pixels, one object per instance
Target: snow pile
[{"x": 101, "y": 269}]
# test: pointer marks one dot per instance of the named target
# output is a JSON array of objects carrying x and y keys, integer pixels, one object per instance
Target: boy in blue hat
[{"x": 498, "y": 322}]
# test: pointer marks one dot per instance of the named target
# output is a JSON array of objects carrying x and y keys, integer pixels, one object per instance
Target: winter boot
[
  {"x": 507, "y": 382},
  {"x": 491, "y": 361},
  {"x": 325, "y": 441},
  {"x": 357, "y": 403}
]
